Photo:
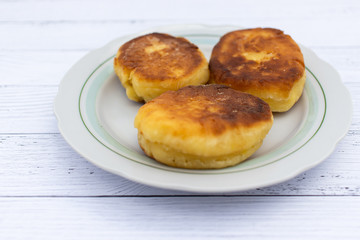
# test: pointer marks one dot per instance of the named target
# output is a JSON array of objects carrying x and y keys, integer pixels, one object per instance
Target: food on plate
[
  {"x": 264, "y": 62},
  {"x": 154, "y": 63},
  {"x": 203, "y": 127}
]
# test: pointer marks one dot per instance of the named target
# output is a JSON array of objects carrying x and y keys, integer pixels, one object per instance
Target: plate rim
[
  {"x": 130, "y": 154},
  {"x": 58, "y": 102}
]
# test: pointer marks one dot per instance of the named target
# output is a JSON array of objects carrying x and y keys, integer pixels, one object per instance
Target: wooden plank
[
  {"x": 44, "y": 165},
  {"x": 48, "y": 67},
  {"x": 36, "y": 67},
  {"x": 48, "y": 191},
  {"x": 27, "y": 109},
  {"x": 181, "y": 218},
  {"x": 61, "y": 36},
  {"x": 111, "y": 10},
  {"x": 90, "y": 35}
]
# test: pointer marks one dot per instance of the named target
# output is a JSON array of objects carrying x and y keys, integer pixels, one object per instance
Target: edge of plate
[{"x": 338, "y": 134}]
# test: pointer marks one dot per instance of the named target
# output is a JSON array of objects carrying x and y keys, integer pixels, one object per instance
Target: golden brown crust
[
  {"x": 152, "y": 64},
  {"x": 203, "y": 127},
  {"x": 216, "y": 108},
  {"x": 260, "y": 58},
  {"x": 159, "y": 56}
]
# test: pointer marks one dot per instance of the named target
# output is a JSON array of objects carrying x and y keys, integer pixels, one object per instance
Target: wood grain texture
[
  {"x": 107, "y": 10},
  {"x": 36, "y": 67},
  {"x": 27, "y": 109},
  {"x": 311, "y": 23},
  {"x": 48, "y": 191},
  {"x": 44, "y": 165},
  {"x": 181, "y": 218},
  {"x": 89, "y": 35}
]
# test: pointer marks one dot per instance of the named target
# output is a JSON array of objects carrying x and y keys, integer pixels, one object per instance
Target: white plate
[{"x": 96, "y": 118}]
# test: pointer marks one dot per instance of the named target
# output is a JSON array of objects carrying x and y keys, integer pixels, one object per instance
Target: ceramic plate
[{"x": 96, "y": 118}]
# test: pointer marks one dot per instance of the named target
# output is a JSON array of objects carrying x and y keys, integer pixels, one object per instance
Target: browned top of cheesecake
[{"x": 259, "y": 58}]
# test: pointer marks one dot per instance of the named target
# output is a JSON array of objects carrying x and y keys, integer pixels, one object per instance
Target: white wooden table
[{"x": 48, "y": 191}]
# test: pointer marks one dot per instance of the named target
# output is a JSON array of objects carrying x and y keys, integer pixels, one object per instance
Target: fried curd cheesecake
[
  {"x": 152, "y": 64},
  {"x": 203, "y": 127},
  {"x": 264, "y": 62}
]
